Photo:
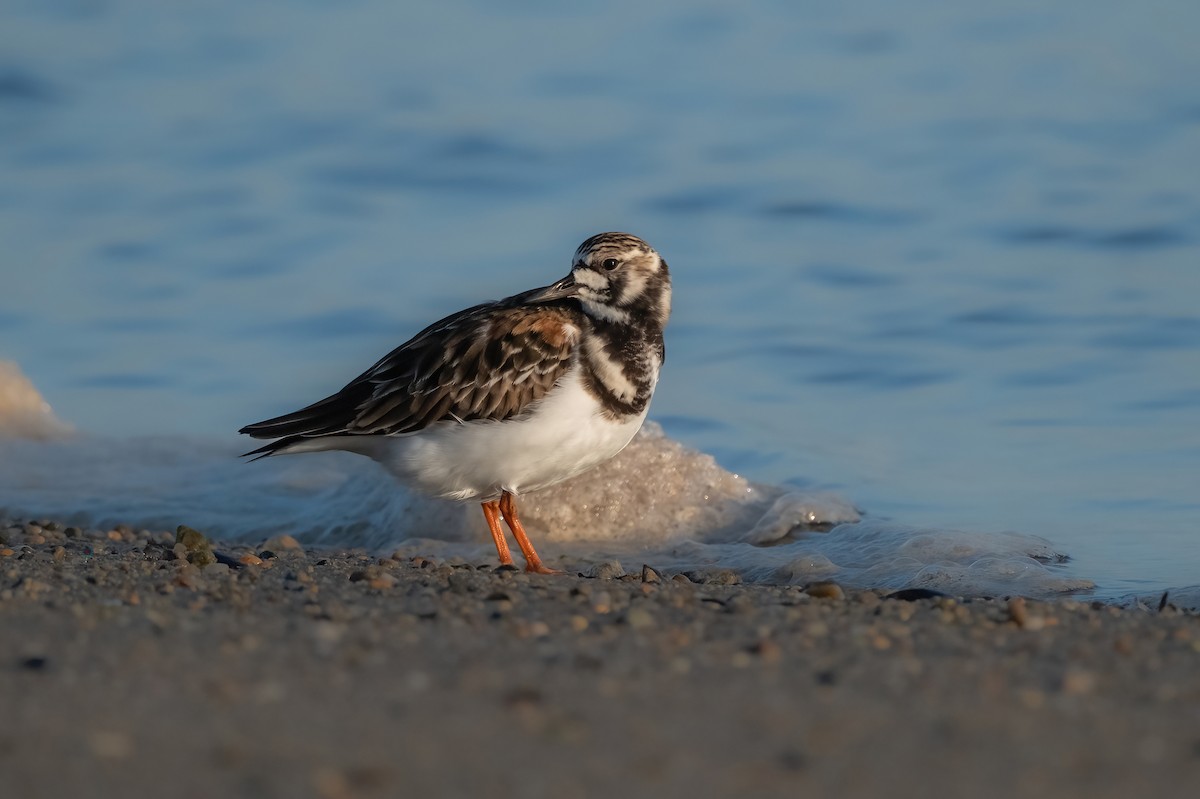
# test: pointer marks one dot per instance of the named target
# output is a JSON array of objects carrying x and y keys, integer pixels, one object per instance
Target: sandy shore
[{"x": 130, "y": 671}]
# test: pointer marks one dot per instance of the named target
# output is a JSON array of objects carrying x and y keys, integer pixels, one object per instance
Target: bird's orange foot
[{"x": 540, "y": 568}]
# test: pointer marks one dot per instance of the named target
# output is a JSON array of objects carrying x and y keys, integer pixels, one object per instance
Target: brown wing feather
[{"x": 488, "y": 362}]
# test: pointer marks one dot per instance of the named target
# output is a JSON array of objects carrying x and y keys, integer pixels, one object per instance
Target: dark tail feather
[
  {"x": 308, "y": 420},
  {"x": 330, "y": 415},
  {"x": 268, "y": 450}
]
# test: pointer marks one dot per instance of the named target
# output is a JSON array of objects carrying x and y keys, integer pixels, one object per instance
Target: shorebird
[{"x": 507, "y": 397}]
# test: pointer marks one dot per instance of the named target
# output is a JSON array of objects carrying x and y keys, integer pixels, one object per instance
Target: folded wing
[{"x": 488, "y": 362}]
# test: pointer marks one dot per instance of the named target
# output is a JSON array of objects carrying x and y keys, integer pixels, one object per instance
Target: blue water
[{"x": 939, "y": 258}]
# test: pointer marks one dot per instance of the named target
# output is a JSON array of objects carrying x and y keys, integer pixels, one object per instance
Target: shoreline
[{"x": 135, "y": 667}]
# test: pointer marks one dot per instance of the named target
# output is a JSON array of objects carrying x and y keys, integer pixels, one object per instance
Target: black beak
[{"x": 559, "y": 291}]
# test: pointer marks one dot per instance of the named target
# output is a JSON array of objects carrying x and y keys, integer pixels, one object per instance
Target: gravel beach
[{"x": 155, "y": 664}]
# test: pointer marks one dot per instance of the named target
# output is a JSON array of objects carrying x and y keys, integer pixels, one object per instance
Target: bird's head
[{"x": 619, "y": 278}]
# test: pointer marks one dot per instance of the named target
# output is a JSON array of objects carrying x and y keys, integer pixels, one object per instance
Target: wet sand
[{"x": 133, "y": 667}]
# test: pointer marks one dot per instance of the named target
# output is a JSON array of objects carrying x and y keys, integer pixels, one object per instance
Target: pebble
[
  {"x": 826, "y": 589},
  {"x": 382, "y": 582},
  {"x": 606, "y": 570},
  {"x": 714, "y": 576},
  {"x": 768, "y": 651},
  {"x": 196, "y": 547},
  {"x": 1077, "y": 682},
  {"x": 189, "y": 576},
  {"x": 602, "y": 602},
  {"x": 913, "y": 594},
  {"x": 649, "y": 575},
  {"x": 110, "y": 745},
  {"x": 639, "y": 618},
  {"x": 1017, "y": 611},
  {"x": 282, "y": 543},
  {"x": 740, "y": 603}
]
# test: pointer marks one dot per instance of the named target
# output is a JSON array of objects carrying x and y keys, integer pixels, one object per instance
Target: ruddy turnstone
[{"x": 507, "y": 397}]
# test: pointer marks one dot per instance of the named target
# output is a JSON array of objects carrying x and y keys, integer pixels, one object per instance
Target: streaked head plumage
[{"x": 620, "y": 277}]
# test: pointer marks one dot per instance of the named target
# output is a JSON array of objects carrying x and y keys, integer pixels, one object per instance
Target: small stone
[
  {"x": 1031, "y": 698},
  {"x": 6, "y": 552},
  {"x": 579, "y": 623},
  {"x": 649, "y": 575},
  {"x": 602, "y": 602},
  {"x": 714, "y": 576},
  {"x": 826, "y": 589},
  {"x": 196, "y": 545},
  {"x": 913, "y": 594},
  {"x": 817, "y": 629},
  {"x": 382, "y": 582},
  {"x": 189, "y": 577},
  {"x": 1018, "y": 611},
  {"x": 607, "y": 570},
  {"x": 826, "y": 677},
  {"x": 110, "y": 745},
  {"x": 60, "y": 554},
  {"x": 680, "y": 578},
  {"x": 1077, "y": 682},
  {"x": 282, "y": 542},
  {"x": 639, "y": 618},
  {"x": 768, "y": 650},
  {"x": 250, "y": 560},
  {"x": 227, "y": 560},
  {"x": 424, "y": 606},
  {"x": 536, "y": 629},
  {"x": 739, "y": 603}
]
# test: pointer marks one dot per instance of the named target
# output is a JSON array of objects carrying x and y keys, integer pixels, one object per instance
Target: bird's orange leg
[
  {"x": 491, "y": 512},
  {"x": 508, "y": 507}
]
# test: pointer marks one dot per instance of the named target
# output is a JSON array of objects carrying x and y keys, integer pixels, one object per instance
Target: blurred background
[{"x": 939, "y": 257}]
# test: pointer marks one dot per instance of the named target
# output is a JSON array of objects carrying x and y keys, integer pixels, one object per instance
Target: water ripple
[{"x": 1140, "y": 238}]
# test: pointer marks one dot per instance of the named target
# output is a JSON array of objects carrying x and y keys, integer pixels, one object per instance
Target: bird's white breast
[{"x": 566, "y": 434}]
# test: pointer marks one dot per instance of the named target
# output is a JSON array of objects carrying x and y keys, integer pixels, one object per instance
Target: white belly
[{"x": 567, "y": 435}]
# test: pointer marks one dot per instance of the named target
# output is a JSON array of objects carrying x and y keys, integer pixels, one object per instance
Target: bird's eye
[{"x": 610, "y": 263}]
